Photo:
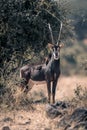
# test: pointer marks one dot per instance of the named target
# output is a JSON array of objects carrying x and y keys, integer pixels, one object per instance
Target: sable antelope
[{"x": 49, "y": 73}]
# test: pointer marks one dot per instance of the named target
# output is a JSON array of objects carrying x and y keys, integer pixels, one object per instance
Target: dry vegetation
[{"x": 27, "y": 112}]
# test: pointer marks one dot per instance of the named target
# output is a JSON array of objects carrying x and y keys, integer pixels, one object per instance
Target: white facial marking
[{"x": 56, "y": 53}]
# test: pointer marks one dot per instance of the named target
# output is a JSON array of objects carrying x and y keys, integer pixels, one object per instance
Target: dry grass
[{"x": 29, "y": 112}]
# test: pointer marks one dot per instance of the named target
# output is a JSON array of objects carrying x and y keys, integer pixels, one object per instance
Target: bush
[{"x": 80, "y": 99}]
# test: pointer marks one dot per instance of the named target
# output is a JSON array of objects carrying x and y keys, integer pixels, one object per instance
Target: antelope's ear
[
  {"x": 50, "y": 45},
  {"x": 61, "y": 45}
]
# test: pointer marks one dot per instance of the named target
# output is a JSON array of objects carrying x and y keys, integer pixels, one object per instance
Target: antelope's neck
[{"x": 56, "y": 63}]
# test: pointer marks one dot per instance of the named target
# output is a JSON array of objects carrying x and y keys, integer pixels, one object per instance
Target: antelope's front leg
[
  {"x": 54, "y": 90},
  {"x": 49, "y": 90}
]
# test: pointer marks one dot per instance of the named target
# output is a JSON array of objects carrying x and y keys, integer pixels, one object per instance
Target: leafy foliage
[
  {"x": 24, "y": 30},
  {"x": 24, "y": 34}
]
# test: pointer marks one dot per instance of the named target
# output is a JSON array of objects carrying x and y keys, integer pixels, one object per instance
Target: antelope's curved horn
[
  {"x": 59, "y": 33},
  {"x": 51, "y": 33}
]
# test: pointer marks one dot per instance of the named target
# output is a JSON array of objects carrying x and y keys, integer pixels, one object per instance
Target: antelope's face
[{"x": 55, "y": 50}]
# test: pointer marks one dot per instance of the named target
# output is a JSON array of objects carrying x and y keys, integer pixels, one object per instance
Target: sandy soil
[{"x": 36, "y": 119}]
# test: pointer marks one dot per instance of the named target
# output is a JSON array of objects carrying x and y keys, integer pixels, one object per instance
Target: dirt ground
[{"x": 37, "y": 119}]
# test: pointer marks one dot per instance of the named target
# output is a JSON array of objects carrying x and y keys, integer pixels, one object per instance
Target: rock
[
  {"x": 75, "y": 121},
  {"x": 56, "y": 109},
  {"x": 79, "y": 115},
  {"x": 52, "y": 112},
  {"x": 6, "y": 128},
  {"x": 61, "y": 104}
]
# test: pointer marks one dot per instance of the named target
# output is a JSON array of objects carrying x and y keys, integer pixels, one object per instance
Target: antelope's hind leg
[{"x": 29, "y": 86}]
